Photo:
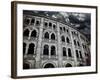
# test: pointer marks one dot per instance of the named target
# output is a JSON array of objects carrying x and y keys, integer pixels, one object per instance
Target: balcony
[
  {"x": 53, "y": 57},
  {"x": 49, "y": 40},
  {"x": 68, "y": 58},
  {"x": 33, "y": 38},
  {"x": 29, "y": 56}
]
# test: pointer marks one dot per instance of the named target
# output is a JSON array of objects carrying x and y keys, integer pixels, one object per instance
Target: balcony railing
[
  {"x": 49, "y": 57},
  {"x": 29, "y": 56},
  {"x": 68, "y": 58}
]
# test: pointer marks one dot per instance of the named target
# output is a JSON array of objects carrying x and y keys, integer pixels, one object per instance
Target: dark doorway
[
  {"x": 81, "y": 65},
  {"x": 68, "y": 65},
  {"x": 26, "y": 66},
  {"x": 49, "y": 65}
]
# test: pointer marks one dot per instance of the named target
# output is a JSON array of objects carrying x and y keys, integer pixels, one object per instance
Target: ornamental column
[
  {"x": 73, "y": 47},
  {"x": 39, "y": 45},
  {"x": 59, "y": 46}
]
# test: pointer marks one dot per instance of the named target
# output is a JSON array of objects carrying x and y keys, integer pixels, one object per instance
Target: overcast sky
[{"x": 81, "y": 21}]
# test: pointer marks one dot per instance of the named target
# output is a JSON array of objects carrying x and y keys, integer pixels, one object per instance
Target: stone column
[
  {"x": 49, "y": 51},
  {"x": 82, "y": 50},
  {"x": 59, "y": 47},
  {"x": 73, "y": 47},
  {"x": 39, "y": 45}
]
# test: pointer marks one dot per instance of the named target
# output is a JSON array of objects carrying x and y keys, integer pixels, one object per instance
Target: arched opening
[
  {"x": 54, "y": 26},
  {"x": 80, "y": 54},
  {"x": 53, "y": 36},
  {"x": 67, "y": 39},
  {"x": 69, "y": 52},
  {"x": 24, "y": 48},
  {"x": 49, "y": 65},
  {"x": 53, "y": 50},
  {"x": 34, "y": 33},
  {"x": 26, "y": 66},
  {"x": 31, "y": 48},
  {"x": 81, "y": 65},
  {"x": 63, "y": 39},
  {"x": 67, "y": 30},
  {"x": 46, "y": 24},
  {"x": 68, "y": 65},
  {"x": 50, "y": 24},
  {"x": 32, "y": 21},
  {"x": 26, "y": 33},
  {"x": 78, "y": 43},
  {"x": 60, "y": 28},
  {"x": 77, "y": 54},
  {"x": 64, "y": 51},
  {"x": 46, "y": 50},
  {"x": 27, "y": 21},
  {"x": 74, "y": 42},
  {"x": 64, "y": 28},
  {"x": 37, "y": 23},
  {"x": 46, "y": 35}
]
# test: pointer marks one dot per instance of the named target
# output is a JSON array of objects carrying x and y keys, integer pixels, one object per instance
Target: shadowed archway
[{"x": 49, "y": 65}]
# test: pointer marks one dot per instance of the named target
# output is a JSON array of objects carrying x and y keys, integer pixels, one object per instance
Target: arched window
[
  {"x": 63, "y": 39},
  {"x": 46, "y": 35},
  {"x": 50, "y": 24},
  {"x": 80, "y": 54},
  {"x": 26, "y": 33},
  {"x": 49, "y": 65},
  {"x": 31, "y": 48},
  {"x": 69, "y": 52},
  {"x": 34, "y": 33},
  {"x": 27, "y": 21},
  {"x": 64, "y": 28},
  {"x": 32, "y": 21},
  {"x": 68, "y": 65},
  {"x": 74, "y": 42},
  {"x": 46, "y": 50},
  {"x": 54, "y": 26},
  {"x": 60, "y": 28},
  {"x": 77, "y": 54},
  {"x": 78, "y": 43},
  {"x": 26, "y": 66},
  {"x": 64, "y": 51},
  {"x": 67, "y": 39},
  {"x": 46, "y": 24},
  {"x": 24, "y": 48},
  {"x": 53, "y": 50},
  {"x": 53, "y": 36},
  {"x": 67, "y": 30},
  {"x": 37, "y": 23}
]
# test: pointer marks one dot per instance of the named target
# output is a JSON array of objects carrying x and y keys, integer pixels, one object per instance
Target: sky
[{"x": 81, "y": 21}]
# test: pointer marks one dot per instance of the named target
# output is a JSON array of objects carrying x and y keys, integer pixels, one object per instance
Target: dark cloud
[{"x": 81, "y": 21}]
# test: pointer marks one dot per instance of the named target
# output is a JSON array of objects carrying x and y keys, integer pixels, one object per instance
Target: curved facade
[{"x": 48, "y": 43}]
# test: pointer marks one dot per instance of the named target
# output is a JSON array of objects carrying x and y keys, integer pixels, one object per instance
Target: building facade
[{"x": 48, "y": 43}]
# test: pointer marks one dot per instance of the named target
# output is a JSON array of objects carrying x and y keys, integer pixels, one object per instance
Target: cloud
[{"x": 81, "y": 21}]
